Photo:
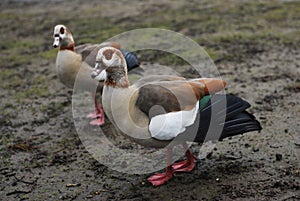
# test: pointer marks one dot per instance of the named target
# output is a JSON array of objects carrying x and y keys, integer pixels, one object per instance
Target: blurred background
[{"x": 254, "y": 44}]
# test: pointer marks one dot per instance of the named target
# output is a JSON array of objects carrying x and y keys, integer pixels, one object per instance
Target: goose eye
[
  {"x": 108, "y": 54},
  {"x": 62, "y": 30}
]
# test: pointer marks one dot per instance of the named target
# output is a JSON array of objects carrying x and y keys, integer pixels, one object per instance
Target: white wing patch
[{"x": 168, "y": 126}]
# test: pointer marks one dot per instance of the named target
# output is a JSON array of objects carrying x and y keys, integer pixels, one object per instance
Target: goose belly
[{"x": 67, "y": 67}]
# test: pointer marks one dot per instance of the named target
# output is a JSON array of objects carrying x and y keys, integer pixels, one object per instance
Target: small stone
[
  {"x": 268, "y": 108},
  {"x": 275, "y": 146},
  {"x": 297, "y": 142},
  {"x": 232, "y": 157},
  {"x": 124, "y": 164},
  {"x": 73, "y": 185},
  {"x": 259, "y": 102},
  {"x": 53, "y": 123},
  {"x": 209, "y": 155},
  {"x": 278, "y": 157}
]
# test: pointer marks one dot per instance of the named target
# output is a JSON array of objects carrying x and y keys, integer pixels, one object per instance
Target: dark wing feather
[
  {"x": 131, "y": 59},
  {"x": 232, "y": 119},
  {"x": 170, "y": 95}
]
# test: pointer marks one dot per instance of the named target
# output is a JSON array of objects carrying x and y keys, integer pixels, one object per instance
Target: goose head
[
  {"x": 63, "y": 38},
  {"x": 111, "y": 68}
]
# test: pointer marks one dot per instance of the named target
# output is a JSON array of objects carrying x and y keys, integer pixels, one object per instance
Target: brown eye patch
[
  {"x": 62, "y": 30},
  {"x": 108, "y": 54}
]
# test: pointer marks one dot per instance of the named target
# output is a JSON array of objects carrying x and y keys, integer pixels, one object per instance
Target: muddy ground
[{"x": 255, "y": 47}]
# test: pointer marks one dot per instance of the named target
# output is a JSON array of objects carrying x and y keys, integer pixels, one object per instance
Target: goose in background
[{"x": 70, "y": 60}]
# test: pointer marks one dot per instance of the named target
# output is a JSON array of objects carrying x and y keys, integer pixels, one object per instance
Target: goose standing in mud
[{"x": 183, "y": 111}]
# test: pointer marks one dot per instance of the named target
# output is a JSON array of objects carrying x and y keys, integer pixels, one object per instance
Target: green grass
[
  {"x": 15, "y": 60},
  {"x": 31, "y": 93},
  {"x": 264, "y": 23},
  {"x": 5, "y": 73},
  {"x": 49, "y": 54},
  {"x": 216, "y": 28}
]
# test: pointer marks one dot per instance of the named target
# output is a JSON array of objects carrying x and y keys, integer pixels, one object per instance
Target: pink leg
[
  {"x": 98, "y": 114},
  {"x": 159, "y": 179},
  {"x": 186, "y": 165}
]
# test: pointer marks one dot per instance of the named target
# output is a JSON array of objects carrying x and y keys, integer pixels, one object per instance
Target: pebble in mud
[
  {"x": 278, "y": 157},
  {"x": 297, "y": 142}
]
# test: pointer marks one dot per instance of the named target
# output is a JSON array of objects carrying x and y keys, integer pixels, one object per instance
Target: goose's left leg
[
  {"x": 186, "y": 165},
  {"x": 159, "y": 179},
  {"x": 98, "y": 114}
]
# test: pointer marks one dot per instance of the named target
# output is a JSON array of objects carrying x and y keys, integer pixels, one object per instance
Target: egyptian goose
[
  {"x": 158, "y": 110},
  {"x": 71, "y": 59}
]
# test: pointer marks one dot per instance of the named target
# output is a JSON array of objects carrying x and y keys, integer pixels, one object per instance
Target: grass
[
  {"x": 32, "y": 92},
  {"x": 261, "y": 23},
  {"x": 49, "y": 54},
  {"x": 22, "y": 44},
  {"x": 16, "y": 60}
]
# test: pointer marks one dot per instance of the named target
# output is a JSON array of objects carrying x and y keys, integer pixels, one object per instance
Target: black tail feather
[
  {"x": 239, "y": 124},
  {"x": 231, "y": 118},
  {"x": 131, "y": 59}
]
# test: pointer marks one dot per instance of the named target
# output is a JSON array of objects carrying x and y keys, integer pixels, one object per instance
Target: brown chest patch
[{"x": 70, "y": 47}]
